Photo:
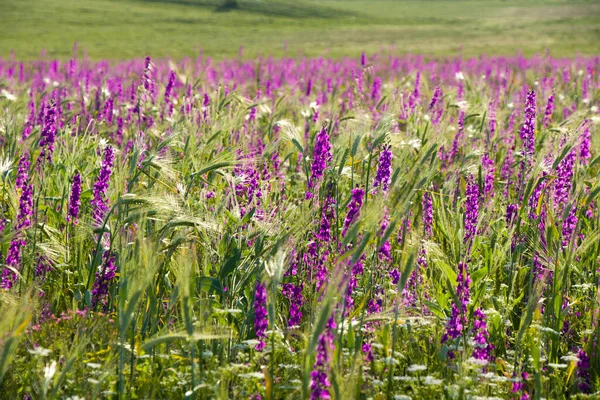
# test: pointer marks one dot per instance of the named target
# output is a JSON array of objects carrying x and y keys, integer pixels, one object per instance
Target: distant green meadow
[{"x": 123, "y": 29}]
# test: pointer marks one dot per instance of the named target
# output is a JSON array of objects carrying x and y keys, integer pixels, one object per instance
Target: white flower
[
  {"x": 463, "y": 105},
  {"x": 416, "y": 367},
  {"x": 459, "y": 76},
  {"x": 49, "y": 370},
  {"x": 510, "y": 105},
  {"x": 552, "y": 365},
  {"x": 9, "y": 96},
  {"x": 426, "y": 117},
  {"x": 570, "y": 358},
  {"x": 536, "y": 83},
  {"x": 40, "y": 351},
  {"x": 5, "y": 164},
  {"x": 415, "y": 143},
  {"x": 594, "y": 109},
  {"x": 430, "y": 380}
]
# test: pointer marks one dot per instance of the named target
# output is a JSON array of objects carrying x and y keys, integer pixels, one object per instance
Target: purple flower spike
[
  {"x": 75, "y": 199},
  {"x": 321, "y": 156},
  {"x": 384, "y": 170},
  {"x": 261, "y": 322},
  {"x": 353, "y": 208},
  {"x": 471, "y": 209},
  {"x": 319, "y": 382},
  {"x": 99, "y": 201}
]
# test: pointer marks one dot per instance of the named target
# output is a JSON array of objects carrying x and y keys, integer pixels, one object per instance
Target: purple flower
[
  {"x": 321, "y": 156},
  {"x": 528, "y": 129},
  {"x": 569, "y": 225},
  {"x": 385, "y": 250},
  {"x": 436, "y": 108},
  {"x": 583, "y": 372},
  {"x": 319, "y": 382},
  {"x": 511, "y": 212},
  {"x": 13, "y": 260},
  {"x": 25, "y": 208},
  {"x": 427, "y": 210},
  {"x": 147, "y": 76},
  {"x": 563, "y": 184},
  {"x": 458, "y": 319},
  {"x": 108, "y": 110},
  {"x": 489, "y": 169},
  {"x": 104, "y": 276},
  {"x": 584, "y": 147},
  {"x": 294, "y": 294},
  {"x": 395, "y": 275},
  {"x": 534, "y": 200},
  {"x": 376, "y": 89},
  {"x": 366, "y": 348},
  {"x": 169, "y": 88},
  {"x": 414, "y": 96},
  {"x": 261, "y": 322},
  {"x": 327, "y": 216},
  {"x": 353, "y": 208},
  {"x": 75, "y": 199},
  {"x": 483, "y": 348},
  {"x": 471, "y": 209},
  {"x": 549, "y": 111},
  {"x": 23, "y": 171},
  {"x": 356, "y": 270},
  {"x": 48, "y": 134},
  {"x": 492, "y": 117},
  {"x": 384, "y": 169},
  {"x": 99, "y": 201}
]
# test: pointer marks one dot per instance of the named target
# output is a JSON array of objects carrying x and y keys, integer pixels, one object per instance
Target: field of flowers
[{"x": 383, "y": 227}]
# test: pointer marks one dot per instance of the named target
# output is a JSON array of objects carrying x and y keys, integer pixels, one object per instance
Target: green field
[{"x": 119, "y": 29}]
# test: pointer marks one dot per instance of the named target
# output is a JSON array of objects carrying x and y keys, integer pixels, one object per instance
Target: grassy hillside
[{"x": 120, "y": 29}]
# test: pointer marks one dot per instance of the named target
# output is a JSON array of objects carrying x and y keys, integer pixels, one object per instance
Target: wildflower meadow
[{"x": 376, "y": 227}]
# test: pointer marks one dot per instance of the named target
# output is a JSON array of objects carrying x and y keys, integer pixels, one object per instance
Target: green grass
[{"x": 120, "y": 29}]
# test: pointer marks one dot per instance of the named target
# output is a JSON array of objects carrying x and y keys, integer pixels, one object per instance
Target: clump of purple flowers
[
  {"x": 563, "y": 184},
  {"x": 75, "y": 199},
  {"x": 48, "y": 134},
  {"x": 321, "y": 156},
  {"x": 436, "y": 108},
  {"x": 327, "y": 216},
  {"x": 23, "y": 171},
  {"x": 483, "y": 348},
  {"x": 458, "y": 318},
  {"x": 104, "y": 276},
  {"x": 471, "y": 209},
  {"x": 583, "y": 372},
  {"x": 261, "y": 322},
  {"x": 528, "y": 128},
  {"x": 584, "y": 147},
  {"x": 353, "y": 208},
  {"x": 384, "y": 169},
  {"x": 427, "y": 206},
  {"x": 294, "y": 294},
  {"x": 549, "y": 111},
  {"x": 99, "y": 201},
  {"x": 569, "y": 224},
  {"x": 319, "y": 382},
  {"x": 489, "y": 169}
]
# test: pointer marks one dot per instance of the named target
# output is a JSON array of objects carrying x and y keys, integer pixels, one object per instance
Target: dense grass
[
  {"x": 121, "y": 29},
  {"x": 377, "y": 227}
]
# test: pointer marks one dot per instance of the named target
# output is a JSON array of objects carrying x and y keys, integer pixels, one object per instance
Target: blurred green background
[{"x": 120, "y": 29}]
